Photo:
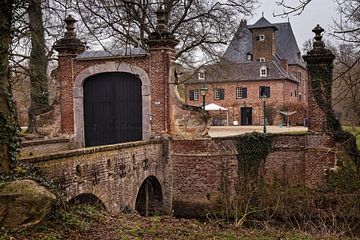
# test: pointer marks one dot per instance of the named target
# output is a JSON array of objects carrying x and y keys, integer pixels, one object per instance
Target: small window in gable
[
  {"x": 248, "y": 56},
  {"x": 261, "y": 60},
  {"x": 260, "y": 37},
  {"x": 263, "y": 71}
]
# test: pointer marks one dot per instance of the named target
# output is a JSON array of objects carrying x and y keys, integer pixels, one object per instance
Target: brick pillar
[
  {"x": 320, "y": 65},
  {"x": 161, "y": 46},
  {"x": 68, "y": 48},
  {"x": 319, "y": 154}
]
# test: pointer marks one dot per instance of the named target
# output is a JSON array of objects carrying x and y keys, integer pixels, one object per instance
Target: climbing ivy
[
  {"x": 252, "y": 148},
  {"x": 321, "y": 83},
  {"x": 9, "y": 129}
]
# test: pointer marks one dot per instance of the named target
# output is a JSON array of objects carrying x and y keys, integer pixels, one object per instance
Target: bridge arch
[
  {"x": 149, "y": 200},
  {"x": 87, "y": 198},
  {"x": 78, "y": 93}
]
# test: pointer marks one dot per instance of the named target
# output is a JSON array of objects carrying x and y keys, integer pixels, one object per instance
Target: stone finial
[
  {"x": 70, "y": 28},
  {"x": 161, "y": 25},
  {"x": 318, "y": 37},
  {"x": 161, "y": 35},
  {"x": 69, "y": 43},
  {"x": 318, "y": 53}
]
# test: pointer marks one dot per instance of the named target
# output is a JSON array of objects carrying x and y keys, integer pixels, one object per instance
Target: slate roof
[
  {"x": 262, "y": 23},
  {"x": 285, "y": 41},
  {"x": 286, "y": 45},
  {"x": 248, "y": 71},
  {"x": 240, "y": 45},
  {"x": 119, "y": 53}
]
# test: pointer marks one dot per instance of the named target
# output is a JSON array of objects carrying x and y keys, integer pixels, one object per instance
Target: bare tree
[
  {"x": 346, "y": 92},
  {"x": 38, "y": 63},
  {"x": 201, "y": 26}
]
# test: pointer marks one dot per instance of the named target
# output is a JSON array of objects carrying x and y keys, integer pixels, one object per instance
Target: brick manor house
[{"x": 262, "y": 63}]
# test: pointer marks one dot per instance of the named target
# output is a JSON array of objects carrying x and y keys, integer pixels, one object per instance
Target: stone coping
[
  {"x": 89, "y": 150},
  {"x": 44, "y": 141}
]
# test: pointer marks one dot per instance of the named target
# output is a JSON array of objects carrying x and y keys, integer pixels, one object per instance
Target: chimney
[{"x": 284, "y": 65}]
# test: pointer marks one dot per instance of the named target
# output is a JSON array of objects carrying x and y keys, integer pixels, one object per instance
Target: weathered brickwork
[
  {"x": 66, "y": 97},
  {"x": 264, "y": 49},
  {"x": 199, "y": 166},
  {"x": 112, "y": 173},
  {"x": 42, "y": 147}
]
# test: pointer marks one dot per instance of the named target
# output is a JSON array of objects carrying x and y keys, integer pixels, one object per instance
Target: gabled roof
[
  {"x": 262, "y": 23},
  {"x": 248, "y": 71},
  {"x": 285, "y": 41}
]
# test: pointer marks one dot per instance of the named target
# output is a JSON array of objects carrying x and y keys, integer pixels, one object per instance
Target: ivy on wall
[
  {"x": 321, "y": 84},
  {"x": 9, "y": 130},
  {"x": 252, "y": 148}
]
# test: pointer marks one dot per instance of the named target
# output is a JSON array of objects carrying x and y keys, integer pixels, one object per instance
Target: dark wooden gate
[
  {"x": 112, "y": 109},
  {"x": 246, "y": 116}
]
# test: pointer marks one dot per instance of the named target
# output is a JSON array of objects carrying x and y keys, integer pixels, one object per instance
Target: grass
[
  {"x": 356, "y": 133},
  {"x": 89, "y": 222}
]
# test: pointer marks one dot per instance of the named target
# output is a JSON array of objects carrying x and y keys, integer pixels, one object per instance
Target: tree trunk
[
  {"x": 37, "y": 64},
  {"x": 8, "y": 121}
]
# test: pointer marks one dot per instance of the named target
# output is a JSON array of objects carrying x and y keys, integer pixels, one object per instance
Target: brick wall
[
  {"x": 263, "y": 49},
  {"x": 279, "y": 94},
  {"x": 199, "y": 166}
]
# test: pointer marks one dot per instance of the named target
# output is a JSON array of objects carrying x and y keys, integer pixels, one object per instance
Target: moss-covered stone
[{"x": 23, "y": 203}]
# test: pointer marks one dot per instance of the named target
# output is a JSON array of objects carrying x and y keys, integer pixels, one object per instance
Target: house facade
[{"x": 262, "y": 63}]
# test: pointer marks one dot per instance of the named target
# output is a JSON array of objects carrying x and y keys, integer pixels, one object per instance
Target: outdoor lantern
[
  {"x": 203, "y": 92},
  {"x": 203, "y": 89},
  {"x": 264, "y": 97}
]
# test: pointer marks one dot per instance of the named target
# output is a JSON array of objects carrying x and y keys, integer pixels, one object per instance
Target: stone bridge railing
[{"x": 113, "y": 174}]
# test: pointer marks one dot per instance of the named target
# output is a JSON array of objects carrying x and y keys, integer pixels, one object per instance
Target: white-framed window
[
  {"x": 241, "y": 92},
  {"x": 264, "y": 92},
  {"x": 260, "y": 37},
  {"x": 263, "y": 71},
  {"x": 261, "y": 59},
  {"x": 201, "y": 76},
  {"x": 219, "y": 94},
  {"x": 194, "y": 95}
]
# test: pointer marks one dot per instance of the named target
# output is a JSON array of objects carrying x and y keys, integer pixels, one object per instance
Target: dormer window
[
  {"x": 260, "y": 37},
  {"x": 201, "y": 76},
  {"x": 248, "y": 56},
  {"x": 263, "y": 71}
]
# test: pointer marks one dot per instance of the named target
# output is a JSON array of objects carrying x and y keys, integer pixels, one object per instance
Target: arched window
[{"x": 263, "y": 71}]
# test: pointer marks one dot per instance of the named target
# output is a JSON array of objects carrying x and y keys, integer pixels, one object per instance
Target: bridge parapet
[{"x": 112, "y": 173}]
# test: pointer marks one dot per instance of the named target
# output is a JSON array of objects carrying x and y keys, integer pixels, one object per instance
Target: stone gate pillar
[
  {"x": 68, "y": 48},
  {"x": 320, "y": 153},
  {"x": 320, "y": 66},
  {"x": 161, "y": 46}
]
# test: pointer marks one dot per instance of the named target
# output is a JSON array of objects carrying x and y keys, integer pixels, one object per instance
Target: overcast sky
[{"x": 317, "y": 12}]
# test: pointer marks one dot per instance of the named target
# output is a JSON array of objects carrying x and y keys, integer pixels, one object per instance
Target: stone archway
[
  {"x": 149, "y": 200},
  {"x": 78, "y": 93},
  {"x": 87, "y": 198}
]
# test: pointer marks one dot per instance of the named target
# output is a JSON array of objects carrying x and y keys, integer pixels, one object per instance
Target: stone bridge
[
  {"x": 119, "y": 176},
  {"x": 164, "y": 175}
]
